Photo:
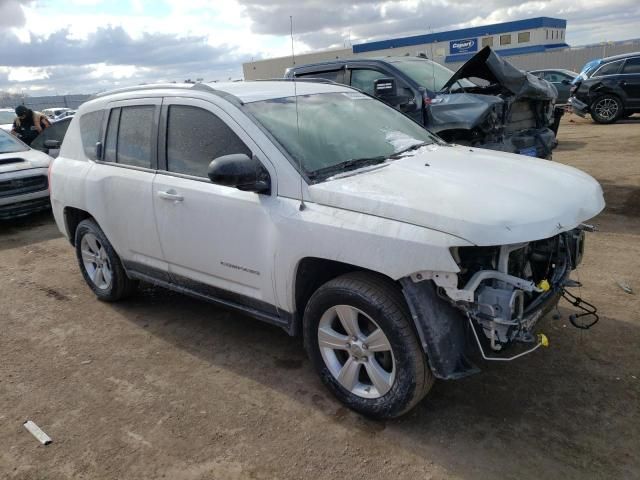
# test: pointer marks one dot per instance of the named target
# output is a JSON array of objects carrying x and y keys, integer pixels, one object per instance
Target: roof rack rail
[
  {"x": 152, "y": 86},
  {"x": 297, "y": 79}
]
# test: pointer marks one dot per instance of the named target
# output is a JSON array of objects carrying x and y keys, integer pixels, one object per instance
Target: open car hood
[{"x": 487, "y": 65}]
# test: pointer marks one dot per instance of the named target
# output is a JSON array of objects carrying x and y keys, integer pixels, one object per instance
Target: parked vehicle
[
  {"x": 487, "y": 103},
  {"x": 54, "y": 113},
  {"x": 23, "y": 178},
  {"x": 63, "y": 115},
  {"x": 50, "y": 140},
  {"x": 321, "y": 210},
  {"x": 7, "y": 116},
  {"x": 559, "y": 78},
  {"x": 608, "y": 89}
]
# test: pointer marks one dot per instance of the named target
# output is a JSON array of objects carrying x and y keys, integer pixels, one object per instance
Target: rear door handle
[
  {"x": 623, "y": 83},
  {"x": 170, "y": 195}
]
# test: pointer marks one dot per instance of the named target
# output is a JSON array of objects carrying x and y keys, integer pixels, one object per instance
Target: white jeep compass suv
[{"x": 319, "y": 209}]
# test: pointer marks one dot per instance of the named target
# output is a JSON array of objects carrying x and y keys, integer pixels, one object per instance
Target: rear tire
[
  {"x": 100, "y": 265},
  {"x": 360, "y": 339},
  {"x": 606, "y": 109}
]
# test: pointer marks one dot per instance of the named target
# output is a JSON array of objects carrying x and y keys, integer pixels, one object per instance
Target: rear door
[
  {"x": 212, "y": 236},
  {"x": 119, "y": 186},
  {"x": 630, "y": 81}
]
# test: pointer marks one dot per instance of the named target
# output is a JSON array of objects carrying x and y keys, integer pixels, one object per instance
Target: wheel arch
[
  {"x": 72, "y": 218},
  {"x": 439, "y": 327}
]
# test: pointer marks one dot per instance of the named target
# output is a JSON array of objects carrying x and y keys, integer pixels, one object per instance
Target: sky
[{"x": 85, "y": 46}]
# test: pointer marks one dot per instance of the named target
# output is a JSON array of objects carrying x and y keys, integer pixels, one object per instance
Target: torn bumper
[
  {"x": 503, "y": 308},
  {"x": 578, "y": 107}
]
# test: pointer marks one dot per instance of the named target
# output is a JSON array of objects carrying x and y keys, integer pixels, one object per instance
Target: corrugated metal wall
[
  {"x": 569, "y": 58},
  {"x": 40, "y": 103}
]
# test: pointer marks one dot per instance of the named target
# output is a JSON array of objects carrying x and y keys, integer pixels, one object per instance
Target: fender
[{"x": 441, "y": 328}]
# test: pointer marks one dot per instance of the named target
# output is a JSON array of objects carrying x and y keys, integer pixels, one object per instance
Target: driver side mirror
[
  {"x": 566, "y": 81},
  {"x": 386, "y": 90},
  {"x": 239, "y": 171}
]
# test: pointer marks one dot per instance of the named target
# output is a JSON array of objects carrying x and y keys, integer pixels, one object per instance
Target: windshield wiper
[
  {"x": 415, "y": 146},
  {"x": 351, "y": 164}
]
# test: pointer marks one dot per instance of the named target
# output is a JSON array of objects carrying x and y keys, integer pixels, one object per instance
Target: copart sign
[{"x": 463, "y": 46}]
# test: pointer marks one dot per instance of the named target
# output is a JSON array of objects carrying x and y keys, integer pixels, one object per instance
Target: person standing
[{"x": 28, "y": 124}]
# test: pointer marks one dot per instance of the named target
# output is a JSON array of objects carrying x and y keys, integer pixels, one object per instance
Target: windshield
[
  {"x": 338, "y": 131},
  {"x": 10, "y": 144},
  {"x": 587, "y": 70},
  {"x": 428, "y": 74},
  {"x": 7, "y": 117}
]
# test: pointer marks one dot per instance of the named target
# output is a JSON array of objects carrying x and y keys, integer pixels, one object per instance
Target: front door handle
[
  {"x": 170, "y": 195},
  {"x": 623, "y": 83}
]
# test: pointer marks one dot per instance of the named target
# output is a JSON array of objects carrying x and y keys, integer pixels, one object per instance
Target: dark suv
[
  {"x": 487, "y": 103},
  {"x": 608, "y": 89}
]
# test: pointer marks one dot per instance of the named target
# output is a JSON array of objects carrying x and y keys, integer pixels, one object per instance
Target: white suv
[{"x": 321, "y": 210}]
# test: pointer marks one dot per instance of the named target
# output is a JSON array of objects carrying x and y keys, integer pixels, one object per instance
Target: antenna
[
  {"x": 433, "y": 67},
  {"x": 295, "y": 93}
]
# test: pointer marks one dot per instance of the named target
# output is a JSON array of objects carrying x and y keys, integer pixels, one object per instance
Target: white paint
[{"x": 399, "y": 220}]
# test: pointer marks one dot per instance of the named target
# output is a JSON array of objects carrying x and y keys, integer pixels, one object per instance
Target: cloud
[
  {"x": 320, "y": 24},
  {"x": 110, "y": 55},
  {"x": 11, "y": 13},
  {"x": 90, "y": 45}
]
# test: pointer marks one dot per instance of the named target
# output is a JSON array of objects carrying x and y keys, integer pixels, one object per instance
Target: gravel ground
[{"x": 164, "y": 386}]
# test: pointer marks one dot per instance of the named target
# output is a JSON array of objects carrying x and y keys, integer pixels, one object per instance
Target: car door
[
  {"x": 119, "y": 185},
  {"x": 630, "y": 81},
  {"x": 562, "y": 83},
  {"x": 212, "y": 236}
]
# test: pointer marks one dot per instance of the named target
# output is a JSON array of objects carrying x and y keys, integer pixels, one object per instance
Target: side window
[
  {"x": 608, "y": 69},
  {"x": 135, "y": 136},
  {"x": 505, "y": 39},
  {"x": 553, "y": 77},
  {"x": 632, "y": 65},
  {"x": 56, "y": 131},
  {"x": 487, "y": 42},
  {"x": 364, "y": 79},
  {"x": 112, "y": 136},
  {"x": 334, "y": 76},
  {"x": 195, "y": 137},
  {"x": 90, "y": 132}
]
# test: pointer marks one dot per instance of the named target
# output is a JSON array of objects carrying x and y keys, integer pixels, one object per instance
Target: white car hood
[
  {"x": 482, "y": 196},
  {"x": 27, "y": 159}
]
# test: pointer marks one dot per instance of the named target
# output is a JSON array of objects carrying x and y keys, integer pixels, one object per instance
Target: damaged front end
[
  {"x": 507, "y": 110},
  {"x": 495, "y": 300}
]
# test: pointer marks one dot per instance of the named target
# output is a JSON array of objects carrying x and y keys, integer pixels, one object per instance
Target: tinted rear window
[
  {"x": 632, "y": 65},
  {"x": 91, "y": 132},
  {"x": 135, "y": 136}
]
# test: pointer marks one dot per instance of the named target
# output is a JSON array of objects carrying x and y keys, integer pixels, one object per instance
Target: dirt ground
[{"x": 164, "y": 386}]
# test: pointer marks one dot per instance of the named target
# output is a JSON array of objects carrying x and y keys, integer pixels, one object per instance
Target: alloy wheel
[
  {"x": 606, "y": 108},
  {"x": 96, "y": 261},
  {"x": 356, "y": 351}
]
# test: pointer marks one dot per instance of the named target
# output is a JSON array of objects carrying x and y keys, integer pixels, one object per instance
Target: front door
[{"x": 212, "y": 236}]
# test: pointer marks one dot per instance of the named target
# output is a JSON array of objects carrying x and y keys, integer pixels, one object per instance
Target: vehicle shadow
[
  {"x": 569, "y": 145},
  {"x": 22, "y": 231},
  {"x": 569, "y": 411}
]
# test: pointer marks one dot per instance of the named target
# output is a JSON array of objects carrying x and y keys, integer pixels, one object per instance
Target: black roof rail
[{"x": 297, "y": 79}]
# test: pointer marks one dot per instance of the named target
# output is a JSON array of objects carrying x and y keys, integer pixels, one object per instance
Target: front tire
[
  {"x": 359, "y": 336},
  {"x": 606, "y": 109},
  {"x": 100, "y": 265}
]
